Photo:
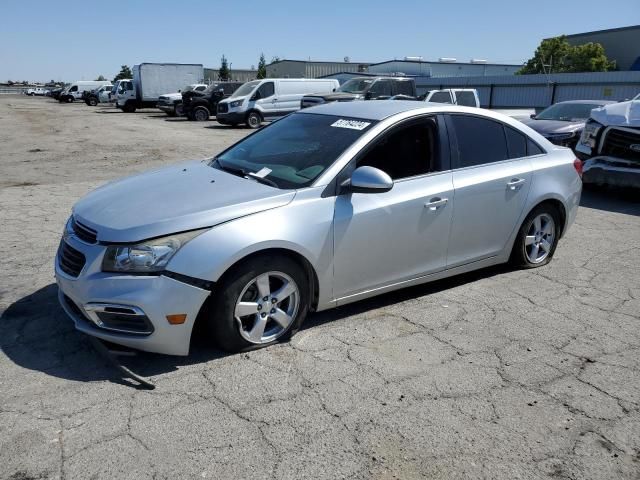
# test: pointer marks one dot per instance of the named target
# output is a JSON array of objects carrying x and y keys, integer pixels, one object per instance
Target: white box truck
[{"x": 150, "y": 80}]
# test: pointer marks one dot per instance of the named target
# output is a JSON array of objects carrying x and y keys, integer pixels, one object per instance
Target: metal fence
[
  {"x": 13, "y": 90},
  {"x": 540, "y": 91}
]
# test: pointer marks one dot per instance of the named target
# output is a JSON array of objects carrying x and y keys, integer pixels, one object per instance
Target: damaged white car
[{"x": 610, "y": 145}]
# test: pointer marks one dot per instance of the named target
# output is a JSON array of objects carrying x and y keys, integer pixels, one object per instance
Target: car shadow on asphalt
[
  {"x": 617, "y": 200},
  {"x": 36, "y": 334}
]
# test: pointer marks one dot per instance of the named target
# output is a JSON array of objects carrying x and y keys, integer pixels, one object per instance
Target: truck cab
[
  {"x": 465, "y": 97},
  {"x": 365, "y": 88}
]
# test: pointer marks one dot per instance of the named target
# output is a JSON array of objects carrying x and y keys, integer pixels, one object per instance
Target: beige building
[{"x": 620, "y": 44}]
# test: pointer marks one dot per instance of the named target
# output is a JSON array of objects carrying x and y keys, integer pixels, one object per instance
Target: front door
[
  {"x": 266, "y": 99},
  {"x": 384, "y": 238}
]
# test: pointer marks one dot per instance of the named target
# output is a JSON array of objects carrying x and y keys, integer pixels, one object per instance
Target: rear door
[{"x": 491, "y": 178}]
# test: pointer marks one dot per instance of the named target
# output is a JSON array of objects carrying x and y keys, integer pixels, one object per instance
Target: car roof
[{"x": 371, "y": 109}]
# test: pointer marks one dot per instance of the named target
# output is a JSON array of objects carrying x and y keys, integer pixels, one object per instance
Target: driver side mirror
[
  {"x": 533, "y": 116},
  {"x": 368, "y": 180},
  {"x": 368, "y": 95},
  {"x": 255, "y": 96}
]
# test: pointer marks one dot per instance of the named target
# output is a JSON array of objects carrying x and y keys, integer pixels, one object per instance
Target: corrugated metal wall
[{"x": 539, "y": 91}]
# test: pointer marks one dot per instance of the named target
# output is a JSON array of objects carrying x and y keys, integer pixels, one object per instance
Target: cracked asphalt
[{"x": 498, "y": 374}]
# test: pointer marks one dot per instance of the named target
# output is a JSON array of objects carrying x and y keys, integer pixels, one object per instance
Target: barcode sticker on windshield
[
  {"x": 352, "y": 124},
  {"x": 263, "y": 172}
]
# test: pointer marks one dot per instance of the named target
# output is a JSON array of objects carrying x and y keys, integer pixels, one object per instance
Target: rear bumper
[
  {"x": 155, "y": 297},
  {"x": 612, "y": 171}
]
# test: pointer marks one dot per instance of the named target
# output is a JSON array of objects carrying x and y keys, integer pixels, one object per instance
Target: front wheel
[
  {"x": 178, "y": 109},
  {"x": 70, "y": 99},
  {"x": 254, "y": 119},
  {"x": 537, "y": 238},
  {"x": 92, "y": 102},
  {"x": 260, "y": 302}
]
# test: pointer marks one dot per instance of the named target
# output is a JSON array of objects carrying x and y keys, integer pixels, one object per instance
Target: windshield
[
  {"x": 245, "y": 89},
  {"x": 356, "y": 85},
  {"x": 213, "y": 87},
  {"x": 568, "y": 111},
  {"x": 294, "y": 151}
]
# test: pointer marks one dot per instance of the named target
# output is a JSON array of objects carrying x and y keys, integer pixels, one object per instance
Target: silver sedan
[{"x": 327, "y": 206}]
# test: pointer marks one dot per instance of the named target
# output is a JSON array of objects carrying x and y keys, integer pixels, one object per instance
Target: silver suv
[{"x": 327, "y": 206}]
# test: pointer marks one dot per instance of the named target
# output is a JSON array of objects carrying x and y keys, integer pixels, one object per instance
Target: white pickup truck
[
  {"x": 466, "y": 97},
  {"x": 39, "y": 91}
]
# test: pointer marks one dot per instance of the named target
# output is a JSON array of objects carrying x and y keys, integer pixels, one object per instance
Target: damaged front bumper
[{"x": 617, "y": 172}]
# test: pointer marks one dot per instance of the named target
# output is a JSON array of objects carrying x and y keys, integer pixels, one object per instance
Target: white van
[
  {"x": 269, "y": 98},
  {"x": 74, "y": 91}
]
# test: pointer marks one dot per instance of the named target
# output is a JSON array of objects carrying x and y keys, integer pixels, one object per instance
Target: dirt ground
[{"x": 498, "y": 374}]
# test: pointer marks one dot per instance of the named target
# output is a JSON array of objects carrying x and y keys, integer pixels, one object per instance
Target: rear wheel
[
  {"x": 93, "y": 101},
  {"x": 260, "y": 302},
  {"x": 70, "y": 99},
  {"x": 178, "y": 109},
  {"x": 537, "y": 238},
  {"x": 201, "y": 114},
  {"x": 129, "y": 108},
  {"x": 254, "y": 119}
]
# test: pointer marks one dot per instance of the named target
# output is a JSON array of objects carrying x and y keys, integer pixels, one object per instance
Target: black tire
[
  {"x": 70, "y": 99},
  {"x": 129, "y": 108},
  {"x": 92, "y": 101},
  {"x": 178, "y": 112},
  {"x": 201, "y": 114},
  {"x": 225, "y": 328},
  {"x": 520, "y": 256},
  {"x": 254, "y": 119}
]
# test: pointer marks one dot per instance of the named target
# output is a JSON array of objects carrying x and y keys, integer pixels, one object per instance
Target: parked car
[
  {"x": 610, "y": 145},
  {"x": 324, "y": 207},
  {"x": 171, "y": 103},
  {"x": 465, "y": 97},
  {"x": 270, "y": 98},
  {"x": 38, "y": 91},
  {"x": 364, "y": 88},
  {"x": 99, "y": 95},
  {"x": 75, "y": 91},
  {"x": 562, "y": 123},
  {"x": 151, "y": 80},
  {"x": 200, "y": 106}
]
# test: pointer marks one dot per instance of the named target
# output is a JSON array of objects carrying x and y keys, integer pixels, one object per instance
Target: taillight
[{"x": 577, "y": 164}]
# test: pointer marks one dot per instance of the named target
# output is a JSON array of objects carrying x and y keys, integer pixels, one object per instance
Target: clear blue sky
[{"x": 72, "y": 40}]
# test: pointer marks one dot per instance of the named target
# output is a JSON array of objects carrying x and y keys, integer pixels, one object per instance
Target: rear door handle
[
  {"x": 436, "y": 203},
  {"x": 514, "y": 183}
]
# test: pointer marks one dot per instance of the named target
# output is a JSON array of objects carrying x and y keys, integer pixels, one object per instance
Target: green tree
[
  {"x": 262, "y": 67},
  {"x": 275, "y": 59},
  {"x": 125, "y": 72},
  {"x": 223, "y": 73},
  {"x": 100, "y": 78},
  {"x": 557, "y": 55}
]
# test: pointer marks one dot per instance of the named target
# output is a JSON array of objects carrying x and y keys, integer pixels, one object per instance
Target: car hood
[
  {"x": 553, "y": 126},
  {"x": 619, "y": 114},
  {"x": 173, "y": 199},
  {"x": 233, "y": 99}
]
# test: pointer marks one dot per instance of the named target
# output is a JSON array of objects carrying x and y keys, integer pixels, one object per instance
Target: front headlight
[
  {"x": 590, "y": 133},
  {"x": 235, "y": 104},
  {"x": 148, "y": 256}
]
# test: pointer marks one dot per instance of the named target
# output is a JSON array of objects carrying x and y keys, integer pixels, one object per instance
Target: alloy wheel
[
  {"x": 540, "y": 238},
  {"x": 266, "y": 307}
]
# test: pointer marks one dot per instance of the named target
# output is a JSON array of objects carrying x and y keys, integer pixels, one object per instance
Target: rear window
[
  {"x": 480, "y": 140},
  {"x": 466, "y": 99},
  {"x": 516, "y": 143},
  {"x": 441, "y": 97},
  {"x": 403, "y": 88}
]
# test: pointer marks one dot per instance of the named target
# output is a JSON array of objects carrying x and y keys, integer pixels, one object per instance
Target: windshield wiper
[
  {"x": 238, "y": 172},
  {"x": 260, "y": 179}
]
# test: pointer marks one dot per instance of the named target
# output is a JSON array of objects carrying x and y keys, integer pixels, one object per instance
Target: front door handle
[
  {"x": 514, "y": 183},
  {"x": 436, "y": 203}
]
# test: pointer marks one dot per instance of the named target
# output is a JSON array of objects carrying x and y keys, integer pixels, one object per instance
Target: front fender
[{"x": 304, "y": 226}]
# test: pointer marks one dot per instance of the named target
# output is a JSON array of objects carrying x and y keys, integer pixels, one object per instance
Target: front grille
[
  {"x": 71, "y": 260},
  {"x": 84, "y": 233},
  {"x": 223, "y": 108},
  {"x": 617, "y": 143}
]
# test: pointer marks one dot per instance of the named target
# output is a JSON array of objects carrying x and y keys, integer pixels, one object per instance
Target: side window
[
  {"x": 200, "y": 88},
  {"x": 406, "y": 151},
  {"x": 74, "y": 88},
  {"x": 266, "y": 90},
  {"x": 381, "y": 88},
  {"x": 466, "y": 99},
  {"x": 516, "y": 143},
  {"x": 403, "y": 88},
  {"x": 533, "y": 149},
  {"x": 480, "y": 140},
  {"x": 441, "y": 97}
]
